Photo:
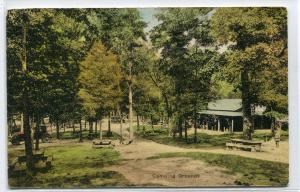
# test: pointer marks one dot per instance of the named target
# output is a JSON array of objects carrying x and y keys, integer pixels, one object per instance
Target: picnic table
[
  {"x": 37, "y": 158},
  {"x": 248, "y": 145},
  {"x": 103, "y": 144}
]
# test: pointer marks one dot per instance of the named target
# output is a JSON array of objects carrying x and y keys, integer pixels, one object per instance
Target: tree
[
  {"x": 25, "y": 76},
  {"x": 99, "y": 79},
  {"x": 42, "y": 57},
  {"x": 257, "y": 47},
  {"x": 183, "y": 39},
  {"x": 147, "y": 98},
  {"x": 123, "y": 38}
]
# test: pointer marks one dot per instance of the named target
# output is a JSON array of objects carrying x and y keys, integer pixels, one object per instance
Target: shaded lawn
[
  {"x": 74, "y": 166},
  {"x": 160, "y": 135},
  {"x": 85, "y": 135},
  {"x": 252, "y": 172},
  {"x": 266, "y": 134}
]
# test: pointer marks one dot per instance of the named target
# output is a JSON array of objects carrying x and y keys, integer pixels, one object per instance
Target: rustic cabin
[{"x": 227, "y": 115}]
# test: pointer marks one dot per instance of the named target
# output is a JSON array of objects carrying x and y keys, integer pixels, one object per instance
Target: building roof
[
  {"x": 229, "y": 107},
  {"x": 225, "y": 105},
  {"x": 222, "y": 113}
]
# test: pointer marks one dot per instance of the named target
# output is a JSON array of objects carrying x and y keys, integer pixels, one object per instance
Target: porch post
[
  {"x": 219, "y": 124},
  {"x": 232, "y": 124},
  {"x": 22, "y": 125}
]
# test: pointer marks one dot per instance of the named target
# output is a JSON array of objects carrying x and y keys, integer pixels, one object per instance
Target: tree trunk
[
  {"x": 73, "y": 126},
  {"x": 185, "y": 131},
  {"x": 130, "y": 100},
  {"x": 143, "y": 125},
  {"x": 151, "y": 117},
  {"x": 26, "y": 118},
  {"x": 137, "y": 122},
  {"x": 28, "y": 141},
  {"x": 90, "y": 129},
  {"x": 130, "y": 105},
  {"x": 37, "y": 133},
  {"x": 195, "y": 127},
  {"x": 273, "y": 126},
  {"x": 180, "y": 127},
  {"x": 100, "y": 131},
  {"x": 121, "y": 125},
  {"x": 84, "y": 124},
  {"x": 31, "y": 121},
  {"x": 168, "y": 114},
  {"x": 57, "y": 129},
  {"x": 109, "y": 125},
  {"x": 22, "y": 124},
  {"x": 246, "y": 105},
  {"x": 80, "y": 131},
  {"x": 175, "y": 129},
  {"x": 96, "y": 125},
  {"x": 168, "y": 126}
]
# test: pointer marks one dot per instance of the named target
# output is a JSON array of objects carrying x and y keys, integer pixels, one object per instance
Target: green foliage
[
  {"x": 146, "y": 96},
  {"x": 256, "y": 40},
  {"x": 44, "y": 48},
  {"x": 224, "y": 90},
  {"x": 181, "y": 37},
  {"x": 276, "y": 115},
  {"x": 254, "y": 172},
  {"x": 99, "y": 80},
  {"x": 123, "y": 32}
]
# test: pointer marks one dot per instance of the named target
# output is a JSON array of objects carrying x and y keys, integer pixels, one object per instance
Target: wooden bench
[
  {"x": 247, "y": 145},
  {"x": 36, "y": 159},
  {"x": 102, "y": 144},
  {"x": 230, "y": 145}
]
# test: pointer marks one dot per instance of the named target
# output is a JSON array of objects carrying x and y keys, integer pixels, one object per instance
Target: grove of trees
[{"x": 75, "y": 64}]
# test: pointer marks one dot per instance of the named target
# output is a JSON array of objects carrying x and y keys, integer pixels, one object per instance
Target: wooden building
[{"x": 227, "y": 115}]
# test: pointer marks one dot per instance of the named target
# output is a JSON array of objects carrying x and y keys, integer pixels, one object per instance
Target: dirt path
[
  {"x": 145, "y": 148},
  {"x": 182, "y": 171},
  {"x": 173, "y": 172}
]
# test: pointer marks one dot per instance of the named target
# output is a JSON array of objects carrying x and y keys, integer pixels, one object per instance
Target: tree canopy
[
  {"x": 256, "y": 57},
  {"x": 99, "y": 80}
]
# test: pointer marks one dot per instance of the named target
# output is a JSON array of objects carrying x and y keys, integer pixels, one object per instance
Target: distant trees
[{"x": 256, "y": 56}]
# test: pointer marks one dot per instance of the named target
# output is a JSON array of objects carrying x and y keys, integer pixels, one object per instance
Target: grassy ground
[
  {"x": 160, "y": 135},
  {"x": 252, "y": 172},
  {"x": 85, "y": 135},
  {"x": 74, "y": 165}
]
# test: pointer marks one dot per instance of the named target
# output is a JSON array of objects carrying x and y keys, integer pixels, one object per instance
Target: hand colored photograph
[{"x": 147, "y": 97}]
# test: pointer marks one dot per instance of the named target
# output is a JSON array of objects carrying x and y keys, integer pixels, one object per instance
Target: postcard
[{"x": 147, "y": 97}]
